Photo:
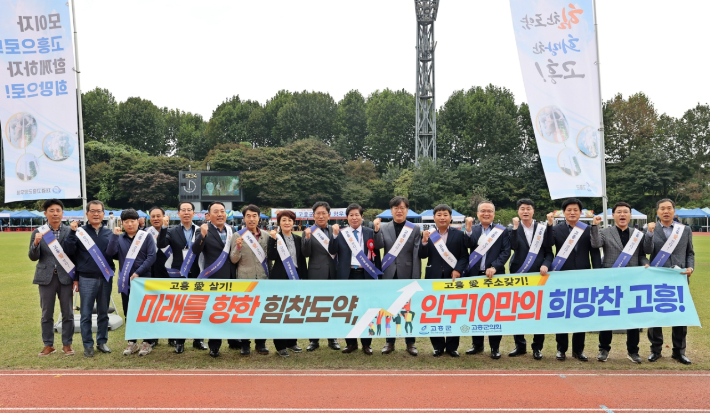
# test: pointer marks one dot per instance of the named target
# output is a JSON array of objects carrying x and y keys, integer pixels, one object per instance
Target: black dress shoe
[
  {"x": 263, "y": 351},
  {"x": 474, "y": 350},
  {"x": 517, "y": 352},
  {"x": 179, "y": 348},
  {"x": 367, "y": 350},
  {"x": 680, "y": 358},
  {"x": 580, "y": 356},
  {"x": 412, "y": 351},
  {"x": 654, "y": 356},
  {"x": 334, "y": 344},
  {"x": 234, "y": 346},
  {"x": 603, "y": 355},
  {"x": 388, "y": 348},
  {"x": 560, "y": 356},
  {"x": 495, "y": 354},
  {"x": 295, "y": 349},
  {"x": 453, "y": 353},
  {"x": 312, "y": 346},
  {"x": 349, "y": 348},
  {"x": 200, "y": 345},
  {"x": 537, "y": 354},
  {"x": 171, "y": 343},
  {"x": 214, "y": 353},
  {"x": 103, "y": 348},
  {"x": 245, "y": 351},
  {"x": 436, "y": 353}
]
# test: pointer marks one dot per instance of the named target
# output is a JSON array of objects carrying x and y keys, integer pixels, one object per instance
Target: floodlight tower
[{"x": 425, "y": 142}]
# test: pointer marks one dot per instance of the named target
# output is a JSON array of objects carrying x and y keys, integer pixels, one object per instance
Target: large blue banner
[
  {"x": 561, "y": 302},
  {"x": 38, "y": 106}
]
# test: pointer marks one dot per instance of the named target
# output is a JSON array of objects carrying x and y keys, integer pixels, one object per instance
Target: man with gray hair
[
  {"x": 487, "y": 260},
  {"x": 679, "y": 255}
]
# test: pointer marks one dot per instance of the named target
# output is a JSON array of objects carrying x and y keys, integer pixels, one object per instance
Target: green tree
[
  {"x": 229, "y": 122},
  {"x": 141, "y": 125},
  {"x": 351, "y": 126},
  {"x": 307, "y": 115},
  {"x": 628, "y": 125},
  {"x": 98, "y": 108},
  {"x": 390, "y": 128}
]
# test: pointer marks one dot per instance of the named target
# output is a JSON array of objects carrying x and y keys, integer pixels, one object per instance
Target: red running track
[{"x": 354, "y": 391}]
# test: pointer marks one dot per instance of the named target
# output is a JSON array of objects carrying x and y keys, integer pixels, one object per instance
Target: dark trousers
[
  {"x": 445, "y": 343},
  {"x": 655, "y": 336},
  {"x": 182, "y": 341},
  {"x": 577, "y": 342},
  {"x": 632, "y": 340},
  {"x": 246, "y": 343},
  {"x": 366, "y": 342},
  {"x": 282, "y": 343},
  {"x": 494, "y": 341},
  {"x": 215, "y": 343},
  {"x": 409, "y": 340},
  {"x": 538, "y": 341},
  {"x": 94, "y": 290},
  {"x": 125, "y": 299},
  {"x": 47, "y": 297}
]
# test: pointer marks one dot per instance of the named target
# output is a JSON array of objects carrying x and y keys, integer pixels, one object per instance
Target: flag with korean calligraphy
[
  {"x": 561, "y": 302},
  {"x": 558, "y": 59},
  {"x": 38, "y": 106}
]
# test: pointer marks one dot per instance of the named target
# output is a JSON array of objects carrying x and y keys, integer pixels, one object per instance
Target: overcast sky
[{"x": 192, "y": 55}]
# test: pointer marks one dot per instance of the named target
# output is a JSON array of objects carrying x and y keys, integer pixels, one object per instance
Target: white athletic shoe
[
  {"x": 131, "y": 348},
  {"x": 146, "y": 348}
]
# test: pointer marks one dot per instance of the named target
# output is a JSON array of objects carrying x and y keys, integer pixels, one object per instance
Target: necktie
[{"x": 358, "y": 241}]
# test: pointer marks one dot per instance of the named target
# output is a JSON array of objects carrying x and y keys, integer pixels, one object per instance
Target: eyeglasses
[
  {"x": 95, "y": 211},
  {"x": 400, "y": 208}
]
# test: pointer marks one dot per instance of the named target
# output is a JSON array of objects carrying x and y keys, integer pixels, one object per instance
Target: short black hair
[
  {"x": 620, "y": 204},
  {"x": 442, "y": 207},
  {"x": 485, "y": 202},
  {"x": 396, "y": 201},
  {"x": 658, "y": 204},
  {"x": 571, "y": 201},
  {"x": 156, "y": 207},
  {"x": 48, "y": 203},
  {"x": 524, "y": 201},
  {"x": 94, "y": 202},
  {"x": 351, "y": 207},
  {"x": 110, "y": 213},
  {"x": 252, "y": 208},
  {"x": 209, "y": 207},
  {"x": 321, "y": 204},
  {"x": 129, "y": 214},
  {"x": 186, "y": 202}
]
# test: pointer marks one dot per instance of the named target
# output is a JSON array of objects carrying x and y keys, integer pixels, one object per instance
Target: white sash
[
  {"x": 124, "y": 274},
  {"x": 669, "y": 245},
  {"x": 168, "y": 251},
  {"x": 629, "y": 249},
  {"x": 440, "y": 246},
  {"x": 95, "y": 253},
  {"x": 56, "y": 249},
  {"x": 537, "y": 241},
  {"x": 568, "y": 246},
  {"x": 321, "y": 238},
  {"x": 255, "y": 247},
  {"x": 398, "y": 245},
  {"x": 286, "y": 258},
  {"x": 485, "y": 242}
]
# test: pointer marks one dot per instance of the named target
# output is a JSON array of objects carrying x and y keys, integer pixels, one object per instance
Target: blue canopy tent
[
  {"x": 387, "y": 214},
  {"x": 428, "y": 215},
  {"x": 694, "y": 213},
  {"x": 21, "y": 216},
  {"x": 262, "y": 216},
  {"x": 634, "y": 215}
]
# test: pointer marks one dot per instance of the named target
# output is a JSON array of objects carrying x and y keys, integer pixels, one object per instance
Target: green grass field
[{"x": 21, "y": 337}]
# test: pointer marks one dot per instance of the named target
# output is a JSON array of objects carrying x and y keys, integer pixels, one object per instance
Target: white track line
[
  {"x": 327, "y": 374},
  {"x": 294, "y": 409}
]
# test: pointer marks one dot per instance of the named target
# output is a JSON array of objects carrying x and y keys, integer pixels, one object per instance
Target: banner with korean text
[
  {"x": 561, "y": 302},
  {"x": 558, "y": 58},
  {"x": 38, "y": 107}
]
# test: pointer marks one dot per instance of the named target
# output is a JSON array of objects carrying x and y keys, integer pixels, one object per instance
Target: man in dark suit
[
  {"x": 53, "y": 280},
  {"x": 438, "y": 268},
  {"x": 407, "y": 265},
  {"x": 349, "y": 268},
  {"x": 210, "y": 242},
  {"x": 321, "y": 264},
  {"x": 180, "y": 239},
  {"x": 683, "y": 256},
  {"x": 521, "y": 238},
  {"x": 493, "y": 262},
  {"x": 613, "y": 240},
  {"x": 578, "y": 259}
]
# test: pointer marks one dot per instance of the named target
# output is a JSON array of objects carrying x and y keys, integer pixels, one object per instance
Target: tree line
[{"x": 300, "y": 147}]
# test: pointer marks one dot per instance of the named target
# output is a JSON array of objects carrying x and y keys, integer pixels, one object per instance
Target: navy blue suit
[{"x": 437, "y": 268}]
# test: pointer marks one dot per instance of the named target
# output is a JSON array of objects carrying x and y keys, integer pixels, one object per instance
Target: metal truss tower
[{"x": 425, "y": 141}]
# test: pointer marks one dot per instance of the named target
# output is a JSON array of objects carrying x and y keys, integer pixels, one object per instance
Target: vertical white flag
[
  {"x": 38, "y": 107},
  {"x": 558, "y": 57}
]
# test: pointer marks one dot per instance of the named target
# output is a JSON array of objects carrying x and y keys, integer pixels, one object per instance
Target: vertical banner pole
[
  {"x": 602, "y": 149},
  {"x": 81, "y": 118}
]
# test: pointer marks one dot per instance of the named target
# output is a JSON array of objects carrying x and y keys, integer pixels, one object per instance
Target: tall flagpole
[
  {"x": 81, "y": 118},
  {"x": 601, "y": 120}
]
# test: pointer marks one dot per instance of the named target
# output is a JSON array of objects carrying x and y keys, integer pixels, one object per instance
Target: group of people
[{"x": 218, "y": 251}]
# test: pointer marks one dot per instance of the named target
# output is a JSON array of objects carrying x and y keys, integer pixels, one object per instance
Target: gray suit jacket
[
  {"x": 683, "y": 255},
  {"x": 248, "y": 266},
  {"x": 608, "y": 239},
  {"x": 321, "y": 265},
  {"x": 46, "y": 263},
  {"x": 408, "y": 264}
]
